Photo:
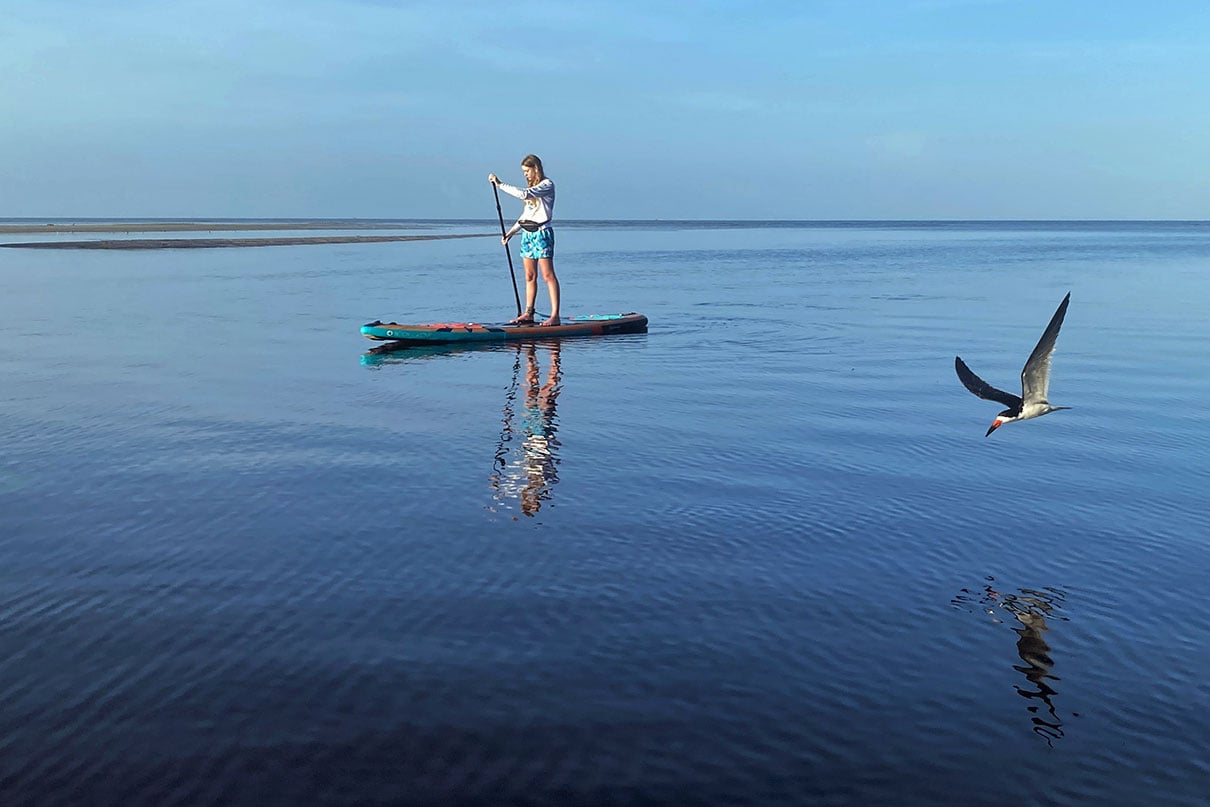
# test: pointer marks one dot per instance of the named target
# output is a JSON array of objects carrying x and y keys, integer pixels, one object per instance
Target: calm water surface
[{"x": 762, "y": 554}]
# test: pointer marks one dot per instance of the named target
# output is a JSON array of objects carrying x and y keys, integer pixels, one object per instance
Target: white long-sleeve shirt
[{"x": 539, "y": 201}]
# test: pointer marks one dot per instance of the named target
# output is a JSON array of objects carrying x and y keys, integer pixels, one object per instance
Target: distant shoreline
[{"x": 213, "y": 243}]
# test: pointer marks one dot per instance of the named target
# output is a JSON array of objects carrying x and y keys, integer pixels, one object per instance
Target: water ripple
[{"x": 760, "y": 554}]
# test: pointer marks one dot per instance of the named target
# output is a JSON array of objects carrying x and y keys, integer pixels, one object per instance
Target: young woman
[{"x": 538, "y": 242}]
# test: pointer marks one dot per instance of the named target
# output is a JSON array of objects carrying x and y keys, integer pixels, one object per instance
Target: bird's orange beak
[{"x": 995, "y": 425}]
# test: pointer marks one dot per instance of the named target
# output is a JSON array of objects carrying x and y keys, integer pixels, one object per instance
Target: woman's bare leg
[
  {"x": 531, "y": 291},
  {"x": 552, "y": 285}
]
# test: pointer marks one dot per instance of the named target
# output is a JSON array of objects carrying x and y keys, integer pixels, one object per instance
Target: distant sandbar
[
  {"x": 203, "y": 243},
  {"x": 201, "y": 226}
]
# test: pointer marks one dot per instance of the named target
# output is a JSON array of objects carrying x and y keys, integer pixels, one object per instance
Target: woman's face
[{"x": 531, "y": 173}]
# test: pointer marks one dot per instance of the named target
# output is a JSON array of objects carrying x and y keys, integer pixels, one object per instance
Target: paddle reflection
[
  {"x": 1030, "y": 608},
  {"x": 527, "y": 454}
]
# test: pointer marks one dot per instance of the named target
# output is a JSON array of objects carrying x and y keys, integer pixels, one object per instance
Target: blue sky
[{"x": 917, "y": 109}]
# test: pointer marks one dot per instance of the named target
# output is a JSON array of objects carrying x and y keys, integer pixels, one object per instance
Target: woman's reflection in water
[
  {"x": 1031, "y": 608},
  {"x": 527, "y": 456}
]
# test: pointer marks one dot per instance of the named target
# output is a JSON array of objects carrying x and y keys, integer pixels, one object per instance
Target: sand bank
[
  {"x": 202, "y": 243},
  {"x": 200, "y": 226}
]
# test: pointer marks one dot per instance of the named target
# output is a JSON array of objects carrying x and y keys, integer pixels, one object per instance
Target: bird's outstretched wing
[
  {"x": 983, "y": 389},
  {"x": 1035, "y": 376}
]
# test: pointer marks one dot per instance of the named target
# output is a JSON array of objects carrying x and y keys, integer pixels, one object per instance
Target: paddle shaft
[{"x": 507, "y": 251}]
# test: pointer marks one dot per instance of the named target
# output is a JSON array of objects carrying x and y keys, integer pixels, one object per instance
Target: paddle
[{"x": 507, "y": 251}]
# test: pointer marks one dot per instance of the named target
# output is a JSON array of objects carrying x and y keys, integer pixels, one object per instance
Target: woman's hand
[
  {"x": 504, "y": 238},
  {"x": 492, "y": 178}
]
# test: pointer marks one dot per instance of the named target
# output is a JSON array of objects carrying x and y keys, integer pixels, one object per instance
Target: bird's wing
[
  {"x": 983, "y": 389},
  {"x": 1035, "y": 377}
]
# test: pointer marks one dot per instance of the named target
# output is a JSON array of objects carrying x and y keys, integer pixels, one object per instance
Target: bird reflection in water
[
  {"x": 527, "y": 456},
  {"x": 1031, "y": 608}
]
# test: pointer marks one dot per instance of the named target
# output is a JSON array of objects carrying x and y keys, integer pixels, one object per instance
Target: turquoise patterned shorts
[{"x": 538, "y": 244}]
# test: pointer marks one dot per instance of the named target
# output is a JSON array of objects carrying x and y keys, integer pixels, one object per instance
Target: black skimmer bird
[{"x": 1035, "y": 379}]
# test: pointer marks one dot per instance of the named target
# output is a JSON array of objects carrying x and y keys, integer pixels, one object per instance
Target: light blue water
[{"x": 760, "y": 554}]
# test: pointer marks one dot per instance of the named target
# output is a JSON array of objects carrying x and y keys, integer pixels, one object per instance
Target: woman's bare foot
[
  {"x": 525, "y": 319},
  {"x": 553, "y": 320}
]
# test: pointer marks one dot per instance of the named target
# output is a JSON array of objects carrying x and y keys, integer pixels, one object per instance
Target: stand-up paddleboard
[{"x": 450, "y": 332}]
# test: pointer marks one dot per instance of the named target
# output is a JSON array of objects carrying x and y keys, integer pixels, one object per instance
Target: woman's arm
[{"x": 543, "y": 189}]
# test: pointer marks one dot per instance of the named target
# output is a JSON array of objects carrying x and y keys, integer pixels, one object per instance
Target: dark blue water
[{"x": 762, "y": 554}]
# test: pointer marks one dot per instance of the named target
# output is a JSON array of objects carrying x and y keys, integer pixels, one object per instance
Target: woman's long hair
[{"x": 532, "y": 161}]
